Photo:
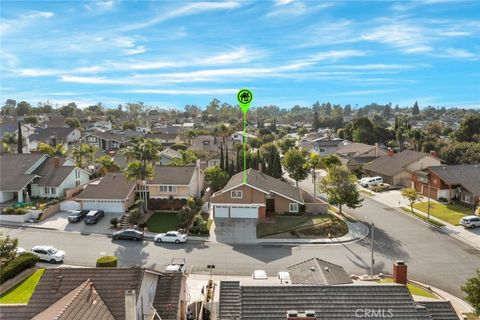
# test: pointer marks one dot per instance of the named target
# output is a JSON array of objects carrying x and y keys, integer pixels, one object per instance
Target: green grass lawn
[
  {"x": 22, "y": 292},
  {"x": 450, "y": 213},
  {"x": 285, "y": 223},
  {"x": 414, "y": 289},
  {"x": 163, "y": 221},
  {"x": 422, "y": 217}
]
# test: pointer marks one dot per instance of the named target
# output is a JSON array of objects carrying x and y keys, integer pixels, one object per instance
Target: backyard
[
  {"x": 163, "y": 221},
  {"x": 414, "y": 289},
  {"x": 450, "y": 213},
  {"x": 22, "y": 291},
  {"x": 305, "y": 226}
]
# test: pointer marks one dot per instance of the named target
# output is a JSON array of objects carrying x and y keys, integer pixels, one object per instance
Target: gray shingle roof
[
  {"x": 13, "y": 168},
  {"x": 328, "y": 302},
  {"x": 122, "y": 137},
  {"x": 174, "y": 175},
  {"x": 111, "y": 186},
  {"x": 8, "y": 126},
  {"x": 467, "y": 175},
  {"x": 318, "y": 272},
  {"x": 265, "y": 183},
  {"x": 439, "y": 310},
  {"x": 359, "y": 149},
  {"x": 51, "y": 176},
  {"x": 42, "y": 135},
  {"x": 390, "y": 166}
]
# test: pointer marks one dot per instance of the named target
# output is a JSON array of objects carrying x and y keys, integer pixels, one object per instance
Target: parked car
[
  {"x": 49, "y": 253},
  {"x": 92, "y": 217},
  {"x": 470, "y": 222},
  {"x": 77, "y": 215},
  {"x": 128, "y": 234},
  {"x": 20, "y": 251},
  {"x": 171, "y": 236},
  {"x": 371, "y": 181}
]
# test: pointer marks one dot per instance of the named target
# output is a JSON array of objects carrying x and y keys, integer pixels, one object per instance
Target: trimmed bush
[
  {"x": 114, "y": 222},
  {"x": 15, "y": 211},
  {"x": 107, "y": 261},
  {"x": 17, "y": 265}
]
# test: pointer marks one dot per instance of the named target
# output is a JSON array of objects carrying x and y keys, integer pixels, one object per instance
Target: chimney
[
  {"x": 390, "y": 152},
  {"x": 56, "y": 162},
  {"x": 130, "y": 305},
  {"x": 433, "y": 153},
  {"x": 260, "y": 167},
  {"x": 376, "y": 149},
  {"x": 400, "y": 272}
]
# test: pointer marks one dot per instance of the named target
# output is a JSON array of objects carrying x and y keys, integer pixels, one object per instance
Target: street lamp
[{"x": 372, "y": 260}]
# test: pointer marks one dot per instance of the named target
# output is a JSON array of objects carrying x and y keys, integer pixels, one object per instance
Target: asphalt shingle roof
[
  {"x": 172, "y": 175},
  {"x": 13, "y": 168},
  {"x": 51, "y": 176},
  {"x": 467, "y": 175},
  {"x": 318, "y": 272},
  {"x": 439, "y": 310},
  {"x": 111, "y": 186},
  {"x": 43, "y": 135},
  {"x": 328, "y": 302},
  {"x": 391, "y": 165}
]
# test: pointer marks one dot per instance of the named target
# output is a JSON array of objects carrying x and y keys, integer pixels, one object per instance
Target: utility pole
[
  {"x": 372, "y": 259},
  {"x": 428, "y": 201}
]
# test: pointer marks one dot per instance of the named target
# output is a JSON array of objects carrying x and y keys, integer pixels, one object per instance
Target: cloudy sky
[{"x": 172, "y": 53}]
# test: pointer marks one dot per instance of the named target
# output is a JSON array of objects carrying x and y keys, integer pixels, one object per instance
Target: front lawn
[
  {"x": 304, "y": 225},
  {"x": 22, "y": 291},
  {"x": 450, "y": 213},
  {"x": 163, "y": 221},
  {"x": 414, "y": 289},
  {"x": 422, "y": 217}
]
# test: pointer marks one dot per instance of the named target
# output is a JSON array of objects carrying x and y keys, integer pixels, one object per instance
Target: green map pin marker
[{"x": 244, "y": 97}]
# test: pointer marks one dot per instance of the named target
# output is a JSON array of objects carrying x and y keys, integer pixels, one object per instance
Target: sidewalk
[{"x": 394, "y": 199}]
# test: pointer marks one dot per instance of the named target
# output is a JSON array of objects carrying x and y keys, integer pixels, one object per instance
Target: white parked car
[
  {"x": 49, "y": 253},
  {"x": 259, "y": 275},
  {"x": 470, "y": 221},
  {"x": 371, "y": 181},
  {"x": 20, "y": 250},
  {"x": 171, "y": 236}
]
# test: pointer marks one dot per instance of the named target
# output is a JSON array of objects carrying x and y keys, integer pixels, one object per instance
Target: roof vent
[
  {"x": 312, "y": 268},
  {"x": 327, "y": 269}
]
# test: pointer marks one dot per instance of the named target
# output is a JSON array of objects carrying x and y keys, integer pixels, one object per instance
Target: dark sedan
[
  {"x": 77, "y": 216},
  {"x": 128, "y": 234}
]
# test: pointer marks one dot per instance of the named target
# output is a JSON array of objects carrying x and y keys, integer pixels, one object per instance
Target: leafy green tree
[
  {"x": 416, "y": 109},
  {"x": 8, "y": 247},
  {"x": 83, "y": 151},
  {"x": 329, "y": 161},
  {"x": 286, "y": 144},
  {"x": 316, "y": 122},
  {"x": 411, "y": 195},
  {"x": 129, "y": 125},
  {"x": 73, "y": 122},
  {"x": 107, "y": 165},
  {"x": 9, "y": 142},
  {"x": 314, "y": 164},
  {"x": 296, "y": 165},
  {"x": 340, "y": 187},
  {"x": 269, "y": 154},
  {"x": 31, "y": 120},
  {"x": 461, "y": 153},
  {"x": 472, "y": 289},
  {"x": 216, "y": 178},
  {"x": 69, "y": 109},
  {"x": 58, "y": 150},
  {"x": 469, "y": 130},
  {"x": 23, "y": 108},
  {"x": 186, "y": 157},
  {"x": 302, "y": 132}
]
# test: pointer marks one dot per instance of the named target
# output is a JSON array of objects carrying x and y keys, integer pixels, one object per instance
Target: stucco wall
[
  {"x": 250, "y": 196},
  {"x": 6, "y": 196}
]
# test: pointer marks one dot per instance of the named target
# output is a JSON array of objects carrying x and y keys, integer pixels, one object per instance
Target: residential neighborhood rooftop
[{"x": 111, "y": 186}]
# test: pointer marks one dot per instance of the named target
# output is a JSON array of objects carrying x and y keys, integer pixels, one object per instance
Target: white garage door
[
  {"x": 243, "y": 212},
  {"x": 105, "y": 205},
  {"x": 221, "y": 211}
]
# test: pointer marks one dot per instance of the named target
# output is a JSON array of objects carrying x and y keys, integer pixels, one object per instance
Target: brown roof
[
  {"x": 13, "y": 168},
  {"x": 82, "y": 303},
  {"x": 51, "y": 176},
  {"x": 111, "y": 186},
  {"x": 359, "y": 149},
  {"x": 167, "y": 295},
  {"x": 265, "y": 183},
  {"x": 173, "y": 175},
  {"x": 467, "y": 175},
  {"x": 391, "y": 165}
]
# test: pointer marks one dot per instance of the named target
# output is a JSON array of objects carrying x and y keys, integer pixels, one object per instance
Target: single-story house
[
  {"x": 356, "y": 155},
  {"x": 179, "y": 182},
  {"x": 38, "y": 175},
  {"x": 111, "y": 193},
  {"x": 54, "y": 136},
  {"x": 110, "y": 140},
  {"x": 260, "y": 193},
  {"x": 456, "y": 182},
  {"x": 103, "y": 293},
  {"x": 397, "y": 168},
  {"x": 166, "y": 139}
]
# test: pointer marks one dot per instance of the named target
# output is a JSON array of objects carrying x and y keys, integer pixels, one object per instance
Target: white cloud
[
  {"x": 296, "y": 8},
  {"x": 192, "y": 8},
  {"x": 375, "y": 66},
  {"x": 184, "y": 91},
  {"x": 136, "y": 50},
  {"x": 24, "y": 19},
  {"x": 283, "y": 2},
  {"x": 457, "y": 54}
]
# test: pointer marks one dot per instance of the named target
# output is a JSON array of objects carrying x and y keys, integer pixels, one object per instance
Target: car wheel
[
  {"x": 177, "y": 241},
  {"x": 158, "y": 240},
  {"x": 53, "y": 261}
]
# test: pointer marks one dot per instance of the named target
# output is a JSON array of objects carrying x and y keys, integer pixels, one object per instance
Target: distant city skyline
[{"x": 170, "y": 53}]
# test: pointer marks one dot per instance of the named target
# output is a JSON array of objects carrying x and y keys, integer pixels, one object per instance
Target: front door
[{"x": 270, "y": 204}]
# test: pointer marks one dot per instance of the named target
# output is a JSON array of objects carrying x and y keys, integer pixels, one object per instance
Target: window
[
  {"x": 77, "y": 183},
  {"x": 293, "y": 207},
  {"x": 169, "y": 189},
  {"x": 321, "y": 150},
  {"x": 49, "y": 191},
  {"x": 236, "y": 194},
  {"x": 92, "y": 139}
]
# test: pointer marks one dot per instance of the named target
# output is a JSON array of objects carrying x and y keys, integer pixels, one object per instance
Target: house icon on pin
[{"x": 245, "y": 97}]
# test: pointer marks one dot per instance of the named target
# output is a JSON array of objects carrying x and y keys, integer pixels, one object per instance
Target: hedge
[
  {"x": 17, "y": 265},
  {"x": 107, "y": 261},
  {"x": 15, "y": 211}
]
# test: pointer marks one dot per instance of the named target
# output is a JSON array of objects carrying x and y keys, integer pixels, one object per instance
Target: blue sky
[{"x": 173, "y": 53}]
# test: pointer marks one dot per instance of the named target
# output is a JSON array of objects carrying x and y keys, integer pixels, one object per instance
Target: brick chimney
[
  {"x": 56, "y": 162},
  {"x": 400, "y": 272},
  {"x": 130, "y": 305},
  {"x": 390, "y": 152},
  {"x": 433, "y": 153}
]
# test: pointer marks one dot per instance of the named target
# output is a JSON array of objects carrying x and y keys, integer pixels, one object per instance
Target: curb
[{"x": 12, "y": 225}]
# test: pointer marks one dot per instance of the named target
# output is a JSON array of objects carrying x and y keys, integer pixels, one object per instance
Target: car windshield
[
  {"x": 52, "y": 251},
  {"x": 76, "y": 213}
]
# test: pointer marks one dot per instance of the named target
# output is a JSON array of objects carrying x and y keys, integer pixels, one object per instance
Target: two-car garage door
[
  {"x": 105, "y": 205},
  {"x": 250, "y": 212}
]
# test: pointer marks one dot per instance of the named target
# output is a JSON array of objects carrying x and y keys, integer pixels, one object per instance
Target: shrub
[
  {"x": 114, "y": 222},
  {"x": 107, "y": 262},
  {"x": 15, "y": 211},
  {"x": 17, "y": 265}
]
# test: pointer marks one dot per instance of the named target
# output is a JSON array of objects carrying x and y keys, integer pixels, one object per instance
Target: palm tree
[
  {"x": 186, "y": 157},
  {"x": 90, "y": 152},
  {"x": 190, "y": 135},
  {"x": 224, "y": 132},
  {"x": 80, "y": 152},
  {"x": 9, "y": 141},
  {"x": 107, "y": 165},
  {"x": 57, "y": 151},
  {"x": 314, "y": 163}
]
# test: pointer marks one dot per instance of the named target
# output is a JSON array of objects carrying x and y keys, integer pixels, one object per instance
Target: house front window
[
  {"x": 293, "y": 207},
  {"x": 168, "y": 189},
  {"x": 92, "y": 139},
  {"x": 49, "y": 191},
  {"x": 236, "y": 194}
]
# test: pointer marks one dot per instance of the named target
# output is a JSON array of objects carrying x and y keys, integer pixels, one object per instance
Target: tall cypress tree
[
  {"x": 222, "y": 163},
  {"x": 277, "y": 167},
  {"x": 259, "y": 160},
  {"x": 20, "y": 139},
  {"x": 232, "y": 169},
  {"x": 227, "y": 165},
  {"x": 238, "y": 162}
]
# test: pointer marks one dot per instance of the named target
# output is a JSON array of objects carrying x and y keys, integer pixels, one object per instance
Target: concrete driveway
[
  {"x": 59, "y": 221},
  {"x": 234, "y": 231}
]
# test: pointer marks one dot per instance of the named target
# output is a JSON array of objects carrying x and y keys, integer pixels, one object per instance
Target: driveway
[
  {"x": 234, "y": 231},
  {"x": 59, "y": 221}
]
